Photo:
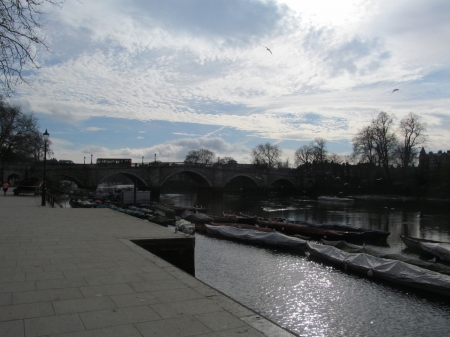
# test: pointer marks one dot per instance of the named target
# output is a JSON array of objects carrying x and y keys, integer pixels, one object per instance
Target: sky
[{"x": 139, "y": 78}]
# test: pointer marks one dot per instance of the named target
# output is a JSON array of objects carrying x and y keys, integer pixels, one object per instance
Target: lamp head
[{"x": 46, "y": 134}]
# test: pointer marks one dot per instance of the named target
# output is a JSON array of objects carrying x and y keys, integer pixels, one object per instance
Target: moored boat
[
  {"x": 351, "y": 248},
  {"x": 394, "y": 271},
  {"x": 308, "y": 231},
  {"x": 439, "y": 250},
  {"x": 273, "y": 238},
  {"x": 414, "y": 243},
  {"x": 336, "y": 200},
  {"x": 369, "y": 234}
]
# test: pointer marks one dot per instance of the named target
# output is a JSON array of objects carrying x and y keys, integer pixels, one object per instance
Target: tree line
[
  {"x": 20, "y": 137},
  {"x": 381, "y": 143}
]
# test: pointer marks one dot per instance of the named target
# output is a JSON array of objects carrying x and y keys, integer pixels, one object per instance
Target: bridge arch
[
  {"x": 242, "y": 178},
  {"x": 282, "y": 182},
  {"x": 135, "y": 178},
  {"x": 191, "y": 173}
]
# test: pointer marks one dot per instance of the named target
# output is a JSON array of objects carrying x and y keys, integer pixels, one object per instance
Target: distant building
[{"x": 429, "y": 163}]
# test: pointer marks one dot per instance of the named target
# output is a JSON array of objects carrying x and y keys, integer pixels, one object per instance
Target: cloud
[{"x": 94, "y": 129}]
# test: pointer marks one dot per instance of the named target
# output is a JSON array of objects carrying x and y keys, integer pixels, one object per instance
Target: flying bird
[
  {"x": 394, "y": 91},
  {"x": 268, "y": 50}
]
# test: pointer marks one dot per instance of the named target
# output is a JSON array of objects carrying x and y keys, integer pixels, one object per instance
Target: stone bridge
[{"x": 155, "y": 175}]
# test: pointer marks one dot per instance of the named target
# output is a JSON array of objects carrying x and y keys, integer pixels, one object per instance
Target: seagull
[
  {"x": 392, "y": 90},
  {"x": 271, "y": 51}
]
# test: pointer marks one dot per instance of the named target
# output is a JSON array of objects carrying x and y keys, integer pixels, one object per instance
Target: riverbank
[{"x": 78, "y": 272}]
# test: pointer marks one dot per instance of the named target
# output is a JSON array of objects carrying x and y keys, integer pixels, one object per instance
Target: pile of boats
[{"x": 332, "y": 243}]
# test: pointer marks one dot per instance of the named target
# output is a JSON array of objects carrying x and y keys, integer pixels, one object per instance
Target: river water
[{"x": 311, "y": 298}]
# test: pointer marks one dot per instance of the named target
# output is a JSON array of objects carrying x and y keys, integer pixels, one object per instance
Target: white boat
[
  {"x": 385, "y": 269},
  {"x": 274, "y": 239},
  {"x": 440, "y": 250},
  {"x": 337, "y": 200}
]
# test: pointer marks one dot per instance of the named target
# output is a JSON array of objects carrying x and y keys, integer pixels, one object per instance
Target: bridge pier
[{"x": 155, "y": 193}]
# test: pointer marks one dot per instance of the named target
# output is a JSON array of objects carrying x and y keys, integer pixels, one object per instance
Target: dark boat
[
  {"x": 414, "y": 243},
  {"x": 196, "y": 217},
  {"x": 368, "y": 234},
  {"x": 241, "y": 218},
  {"x": 242, "y": 226},
  {"x": 308, "y": 231}
]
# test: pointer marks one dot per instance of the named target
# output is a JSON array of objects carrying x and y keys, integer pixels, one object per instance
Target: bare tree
[
  {"x": 21, "y": 38},
  {"x": 319, "y": 151},
  {"x": 336, "y": 158},
  {"x": 364, "y": 145},
  {"x": 225, "y": 160},
  {"x": 385, "y": 141},
  {"x": 20, "y": 137},
  {"x": 202, "y": 156},
  {"x": 267, "y": 155},
  {"x": 412, "y": 132},
  {"x": 304, "y": 155}
]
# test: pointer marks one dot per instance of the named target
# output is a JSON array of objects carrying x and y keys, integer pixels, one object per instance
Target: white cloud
[{"x": 205, "y": 64}]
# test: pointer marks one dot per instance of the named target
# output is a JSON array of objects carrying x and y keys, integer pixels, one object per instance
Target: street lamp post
[
  {"x": 85, "y": 160},
  {"x": 91, "y": 158},
  {"x": 44, "y": 184},
  {"x": 3, "y": 167},
  {"x": 155, "y": 157},
  {"x": 142, "y": 160}
]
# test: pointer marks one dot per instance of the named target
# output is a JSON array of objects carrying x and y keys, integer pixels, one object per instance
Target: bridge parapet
[{"x": 155, "y": 174}]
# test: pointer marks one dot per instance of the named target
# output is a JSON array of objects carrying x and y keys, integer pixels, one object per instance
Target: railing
[{"x": 52, "y": 199}]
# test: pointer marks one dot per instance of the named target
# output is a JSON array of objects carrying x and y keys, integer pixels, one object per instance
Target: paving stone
[
  {"x": 133, "y": 300},
  {"x": 12, "y": 277},
  {"x": 83, "y": 304},
  {"x": 8, "y": 287},
  {"x": 58, "y": 267},
  {"x": 21, "y": 311},
  {"x": 85, "y": 272},
  {"x": 185, "y": 308},
  {"x": 175, "y": 295},
  {"x": 109, "y": 289},
  {"x": 220, "y": 320},
  {"x": 46, "y": 295},
  {"x": 12, "y": 329},
  {"x": 113, "y": 279},
  {"x": 43, "y": 326},
  {"x": 5, "y": 298},
  {"x": 115, "y": 331},
  {"x": 156, "y": 285},
  {"x": 120, "y": 316},
  {"x": 61, "y": 283},
  {"x": 174, "y": 327},
  {"x": 44, "y": 275},
  {"x": 96, "y": 265},
  {"x": 238, "y": 332}
]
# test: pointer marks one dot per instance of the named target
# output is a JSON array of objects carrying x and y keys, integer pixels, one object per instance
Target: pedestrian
[{"x": 5, "y": 187}]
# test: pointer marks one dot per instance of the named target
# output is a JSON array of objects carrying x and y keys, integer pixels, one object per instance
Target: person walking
[{"x": 5, "y": 187}]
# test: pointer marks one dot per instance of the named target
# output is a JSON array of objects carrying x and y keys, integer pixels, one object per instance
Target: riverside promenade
[{"x": 76, "y": 273}]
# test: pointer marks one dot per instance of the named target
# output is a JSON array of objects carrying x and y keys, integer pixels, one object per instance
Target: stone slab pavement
[{"x": 75, "y": 273}]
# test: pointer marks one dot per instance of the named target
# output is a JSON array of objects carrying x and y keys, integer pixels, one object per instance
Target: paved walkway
[{"x": 75, "y": 273}]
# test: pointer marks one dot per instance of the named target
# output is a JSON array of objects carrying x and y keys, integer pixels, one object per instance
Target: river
[{"x": 311, "y": 298}]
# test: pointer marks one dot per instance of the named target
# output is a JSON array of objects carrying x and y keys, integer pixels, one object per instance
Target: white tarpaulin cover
[
  {"x": 395, "y": 271},
  {"x": 255, "y": 236},
  {"x": 441, "y": 250}
]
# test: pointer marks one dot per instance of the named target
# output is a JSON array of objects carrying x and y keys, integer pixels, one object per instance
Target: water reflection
[{"x": 312, "y": 298}]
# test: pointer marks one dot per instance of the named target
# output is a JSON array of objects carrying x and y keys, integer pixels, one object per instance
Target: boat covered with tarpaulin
[
  {"x": 273, "y": 239},
  {"x": 351, "y": 248},
  {"x": 440, "y": 250},
  {"x": 385, "y": 269}
]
